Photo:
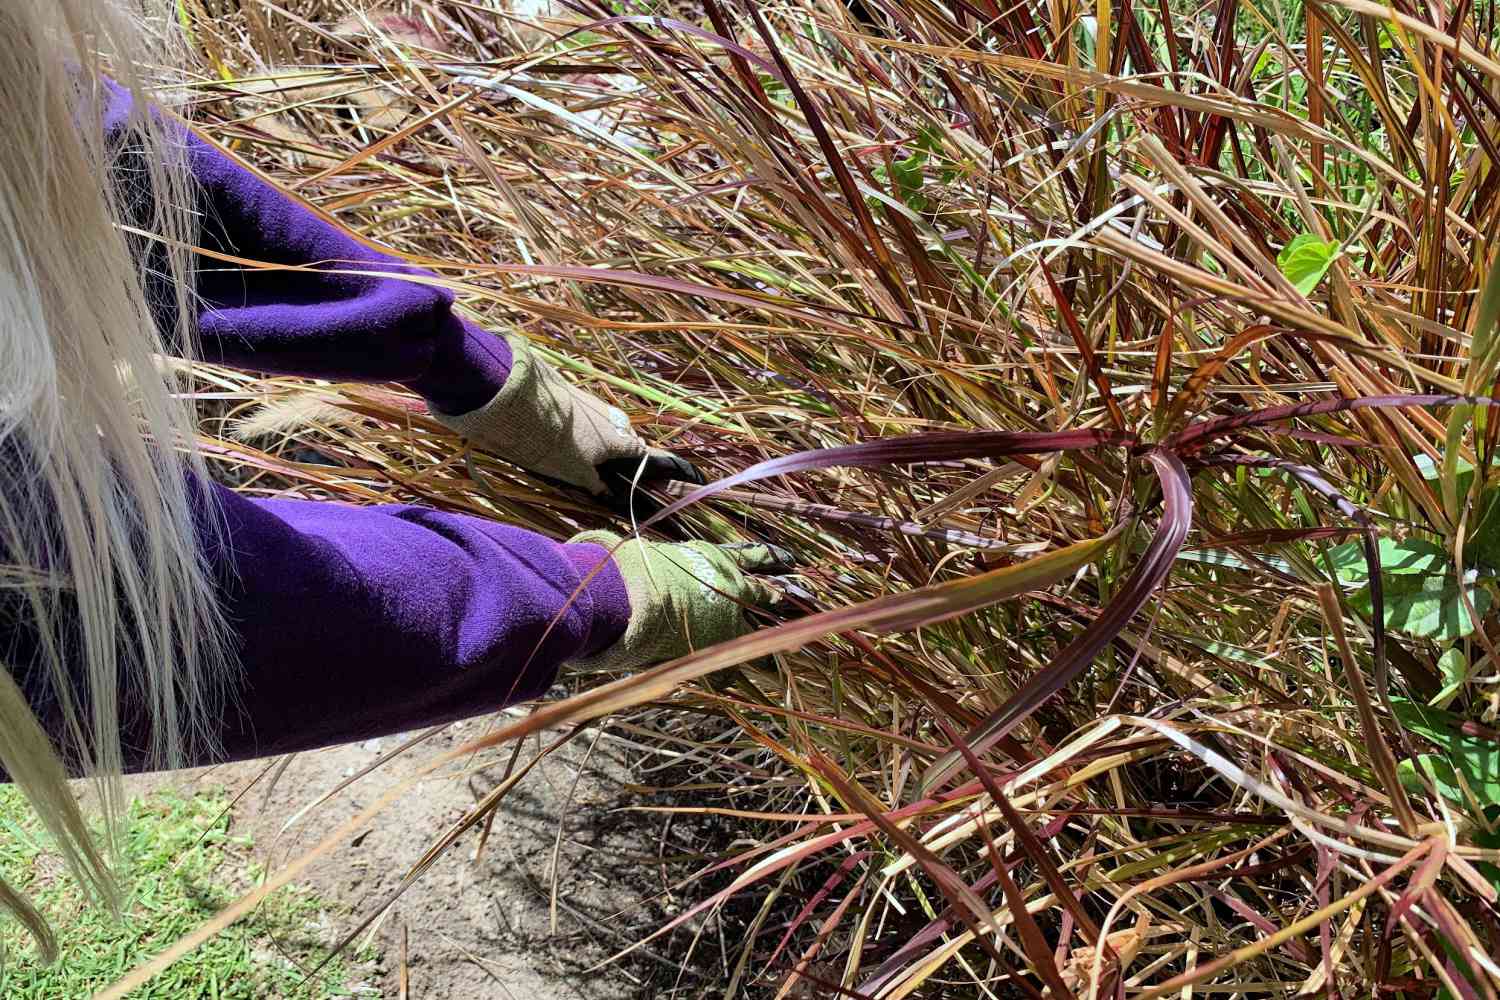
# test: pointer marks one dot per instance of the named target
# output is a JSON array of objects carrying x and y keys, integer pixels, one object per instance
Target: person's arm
[
  {"x": 348, "y": 311},
  {"x": 357, "y": 315},
  {"x": 354, "y": 622},
  {"x": 351, "y": 312}
]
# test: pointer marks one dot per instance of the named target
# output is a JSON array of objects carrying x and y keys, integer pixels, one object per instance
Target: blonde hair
[{"x": 100, "y": 567}]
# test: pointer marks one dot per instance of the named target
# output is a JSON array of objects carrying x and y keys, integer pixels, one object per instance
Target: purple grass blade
[
  {"x": 1155, "y": 565},
  {"x": 805, "y": 913},
  {"x": 896, "y": 962},
  {"x": 1192, "y": 437},
  {"x": 888, "y": 272},
  {"x": 1029, "y": 846},
  {"x": 908, "y": 449},
  {"x": 1332, "y": 440}
]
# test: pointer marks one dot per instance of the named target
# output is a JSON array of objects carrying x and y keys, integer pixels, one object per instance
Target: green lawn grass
[{"x": 181, "y": 865}]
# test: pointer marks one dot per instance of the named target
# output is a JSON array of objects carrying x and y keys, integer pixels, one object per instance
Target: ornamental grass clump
[{"x": 1122, "y": 375}]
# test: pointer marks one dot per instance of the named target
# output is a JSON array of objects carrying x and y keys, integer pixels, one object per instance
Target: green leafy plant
[
  {"x": 1420, "y": 587},
  {"x": 1453, "y": 669},
  {"x": 1305, "y": 260},
  {"x": 1482, "y": 535},
  {"x": 1467, "y": 772},
  {"x": 908, "y": 175}
]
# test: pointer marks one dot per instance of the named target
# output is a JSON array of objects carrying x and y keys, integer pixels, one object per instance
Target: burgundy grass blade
[
  {"x": 804, "y": 848},
  {"x": 886, "y": 269},
  {"x": 1155, "y": 565},
  {"x": 970, "y": 907},
  {"x": 1273, "y": 536},
  {"x": 908, "y": 449},
  {"x": 671, "y": 24},
  {"x": 1196, "y": 435},
  {"x": 1029, "y": 846},
  {"x": 896, "y": 963},
  {"x": 810, "y": 907},
  {"x": 1299, "y": 950},
  {"x": 1085, "y": 350},
  {"x": 1033, "y": 941}
]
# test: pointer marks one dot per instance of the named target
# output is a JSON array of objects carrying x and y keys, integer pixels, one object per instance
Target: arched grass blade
[
  {"x": 908, "y": 449},
  {"x": 1155, "y": 564}
]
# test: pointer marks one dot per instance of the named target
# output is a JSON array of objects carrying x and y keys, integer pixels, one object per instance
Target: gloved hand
[
  {"x": 546, "y": 425},
  {"x": 684, "y": 596}
]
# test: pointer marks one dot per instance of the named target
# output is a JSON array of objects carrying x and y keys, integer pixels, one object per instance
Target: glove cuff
[
  {"x": 618, "y": 656},
  {"x": 543, "y": 423}
]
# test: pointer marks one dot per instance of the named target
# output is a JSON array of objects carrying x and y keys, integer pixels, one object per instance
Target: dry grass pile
[{"x": 1187, "y": 311}]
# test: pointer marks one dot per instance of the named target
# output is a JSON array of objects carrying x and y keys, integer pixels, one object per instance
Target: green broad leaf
[
  {"x": 1349, "y": 563},
  {"x": 1442, "y": 775},
  {"x": 1433, "y": 472},
  {"x": 1478, "y": 760},
  {"x": 930, "y": 141},
  {"x": 1305, "y": 260},
  {"x": 1453, "y": 665},
  {"x": 1425, "y": 606},
  {"x": 1406, "y": 557},
  {"x": 1482, "y": 544},
  {"x": 1490, "y": 840},
  {"x": 1430, "y": 723},
  {"x": 907, "y": 175}
]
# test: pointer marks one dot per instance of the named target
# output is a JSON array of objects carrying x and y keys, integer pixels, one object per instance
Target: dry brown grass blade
[
  {"x": 1307, "y": 923},
  {"x": 1385, "y": 761}
]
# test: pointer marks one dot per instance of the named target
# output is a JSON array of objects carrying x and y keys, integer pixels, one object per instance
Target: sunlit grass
[
  {"x": 179, "y": 866},
  {"x": 785, "y": 231}
]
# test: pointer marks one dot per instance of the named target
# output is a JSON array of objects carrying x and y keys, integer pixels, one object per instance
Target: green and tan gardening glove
[
  {"x": 684, "y": 596},
  {"x": 546, "y": 425}
]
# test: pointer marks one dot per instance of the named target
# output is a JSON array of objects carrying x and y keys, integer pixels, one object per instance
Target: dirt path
[{"x": 487, "y": 928}]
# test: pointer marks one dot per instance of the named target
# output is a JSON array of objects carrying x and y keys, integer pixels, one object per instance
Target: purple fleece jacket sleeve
[
  {"x": 350, "y": 621},
  {"x": 349, "y": 312}
]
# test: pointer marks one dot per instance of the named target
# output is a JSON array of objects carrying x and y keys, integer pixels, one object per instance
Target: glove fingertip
[
  {"x": 761, "y": 557},
  {"x": 666, "y": 465},
  {"x": 764, "y": 593}
]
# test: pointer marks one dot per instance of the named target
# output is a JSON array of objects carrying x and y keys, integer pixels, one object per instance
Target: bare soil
[{"x": 569, "y": 876}]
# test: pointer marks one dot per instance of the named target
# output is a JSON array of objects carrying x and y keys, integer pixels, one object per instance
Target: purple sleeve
[
  {"x": 353, "y": 622},
  {"x": 355, "y": 314}
]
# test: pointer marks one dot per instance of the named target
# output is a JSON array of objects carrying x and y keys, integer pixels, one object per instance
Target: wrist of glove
[
  {"x": 546, "y": 425},
  {"x": 683, "y": 597}
]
